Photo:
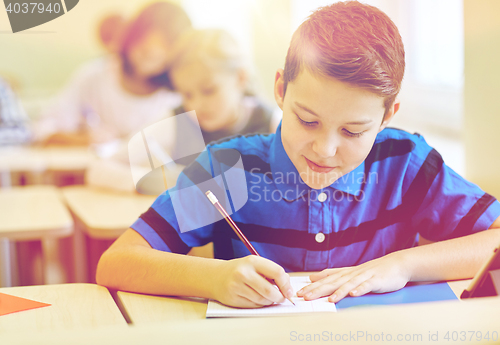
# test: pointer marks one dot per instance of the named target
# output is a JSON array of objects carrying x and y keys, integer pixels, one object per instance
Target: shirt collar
[
  {"x": 351, "y": 182},
  {"x": 287, "y": 179}
]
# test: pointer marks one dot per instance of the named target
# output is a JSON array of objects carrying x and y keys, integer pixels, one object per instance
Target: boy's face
[{"x": 328, "y": 126}]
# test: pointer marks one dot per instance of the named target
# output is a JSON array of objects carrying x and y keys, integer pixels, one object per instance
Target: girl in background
[
  {"x": 113, "y": 97},
  {"x": 213, "y": 78}
]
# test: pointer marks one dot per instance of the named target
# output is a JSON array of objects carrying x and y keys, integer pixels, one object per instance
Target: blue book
[{"x": 408, "y": 294}]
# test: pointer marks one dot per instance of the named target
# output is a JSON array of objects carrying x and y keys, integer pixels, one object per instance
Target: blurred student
[
  {"x": 13, "y": 119},
  {"x": 212, "y": 75},
  {"x": 112, "y": 98}
]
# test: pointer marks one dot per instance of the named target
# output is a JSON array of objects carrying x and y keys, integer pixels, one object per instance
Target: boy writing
[{"x": 333, "y": 190}]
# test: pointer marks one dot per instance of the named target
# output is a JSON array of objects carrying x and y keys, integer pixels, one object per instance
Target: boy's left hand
[{"x": 384, "y": 274}]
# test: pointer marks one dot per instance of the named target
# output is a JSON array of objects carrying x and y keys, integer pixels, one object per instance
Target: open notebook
[{"x": 215, "y": 309}]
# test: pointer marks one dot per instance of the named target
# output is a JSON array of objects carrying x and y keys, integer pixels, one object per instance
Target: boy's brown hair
[{"x": 352, "y": 42}]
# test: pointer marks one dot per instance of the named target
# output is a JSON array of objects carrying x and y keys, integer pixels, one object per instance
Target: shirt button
[
  {"x": 322, "y": 197},
  {"x": 320, "y": 237}
]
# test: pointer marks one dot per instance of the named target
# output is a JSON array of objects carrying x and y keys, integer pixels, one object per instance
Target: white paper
[{"x": 216, "y": 309}]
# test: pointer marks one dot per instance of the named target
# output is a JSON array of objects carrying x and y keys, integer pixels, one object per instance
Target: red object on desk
[{"x": 12, "y": 304}]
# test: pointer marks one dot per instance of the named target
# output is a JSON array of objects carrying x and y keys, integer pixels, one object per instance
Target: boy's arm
[
  {"x": 457, "y": 258},
  {"x": 130, "y": 264}
]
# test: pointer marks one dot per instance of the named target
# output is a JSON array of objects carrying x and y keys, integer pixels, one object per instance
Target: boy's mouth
[{"x": 318, "y": 168}]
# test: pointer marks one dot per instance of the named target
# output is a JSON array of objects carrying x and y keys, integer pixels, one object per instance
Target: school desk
[
  {"x": 32, "y": 213},
  {"x": 34, "y": 165},
  {"x": 446, "y": 322},
  {"x": 106, "y": 214},
  {"x": 103, "y": 215},
  {"x": 72, "y": 306},
  {"x": 144, "y": 309}
]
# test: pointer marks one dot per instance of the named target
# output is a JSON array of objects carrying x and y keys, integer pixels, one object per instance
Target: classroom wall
[
  {"x": 482, "y": 93},
  {"x": 271, "y": 36}
]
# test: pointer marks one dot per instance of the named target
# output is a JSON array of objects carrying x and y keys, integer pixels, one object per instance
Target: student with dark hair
[{"x": 334, "y": 190}]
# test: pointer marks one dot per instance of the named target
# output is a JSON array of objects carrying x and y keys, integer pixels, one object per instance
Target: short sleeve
[
  {"x": 183, "y": 217},
  {"x": 452, "y": 206}
]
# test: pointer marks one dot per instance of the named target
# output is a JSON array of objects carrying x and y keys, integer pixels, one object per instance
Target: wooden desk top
[
  {"x": 459, "y": 286},
  {"x": 68, "y": 158},
  {"x": 73, "y": 306},
  {"x": 106, "y": 214},
  {"x": 147, "y": 309},
  {"x": 424, "y": 323},
  {"x": 36, "y": 159},
  {"x": 33, "y": 212}
]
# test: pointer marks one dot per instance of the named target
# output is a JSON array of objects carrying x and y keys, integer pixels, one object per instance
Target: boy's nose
[{"x": 325, "y": 146}]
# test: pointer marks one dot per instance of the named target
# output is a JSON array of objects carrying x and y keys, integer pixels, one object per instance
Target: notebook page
[{"x": 216, "y": 309}]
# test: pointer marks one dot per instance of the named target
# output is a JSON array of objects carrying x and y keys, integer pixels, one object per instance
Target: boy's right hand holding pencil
[{"x": 242, "y": 283}]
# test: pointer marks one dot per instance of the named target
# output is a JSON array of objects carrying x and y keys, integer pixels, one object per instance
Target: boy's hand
[
  {"x": 384, "y": 274},
  {"x": 242, "y": 283}
]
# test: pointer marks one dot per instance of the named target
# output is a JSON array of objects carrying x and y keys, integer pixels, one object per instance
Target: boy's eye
[
  {"x": 352, "y": 134},
  {"x": 305, "y": 123}
]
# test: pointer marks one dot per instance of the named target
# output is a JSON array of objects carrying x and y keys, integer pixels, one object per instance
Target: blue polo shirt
[{"x": 402, "y": 189}]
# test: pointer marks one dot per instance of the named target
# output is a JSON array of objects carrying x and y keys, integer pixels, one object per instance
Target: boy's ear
[
  {"x": 279, "y": 88},
  {"x": 390, "y": 114}
]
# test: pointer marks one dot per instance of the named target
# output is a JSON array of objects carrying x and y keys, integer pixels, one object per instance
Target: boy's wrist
[
  {"x": 213, "y": 281},
  {"x": 405, "y": 261}
]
